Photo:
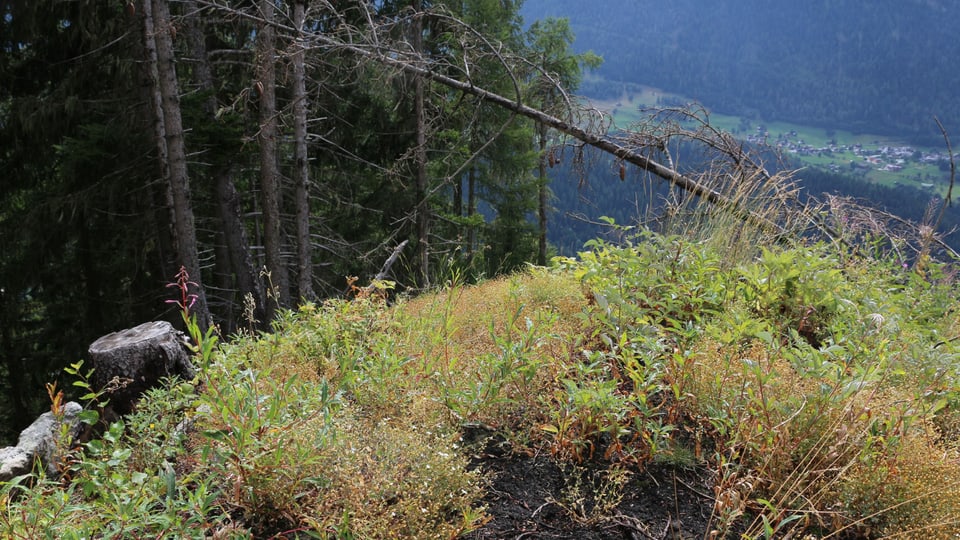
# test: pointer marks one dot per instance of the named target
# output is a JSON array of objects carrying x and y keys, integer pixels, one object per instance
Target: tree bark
[
  {"x": 270, "y": 185},
  {"x": 420, "y": 155},
  {"x": 302, "y": 168},
  {"x": 167, "y": 88},
  {"x": 238, "y": 260},
  {"x": 130, "y": 362}
]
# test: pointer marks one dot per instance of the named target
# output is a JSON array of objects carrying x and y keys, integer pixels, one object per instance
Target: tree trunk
[
  {"x": 132, "y": 361},
  {"x": 302, "y": 170},
  {"x": 457, "y": 197},
  {"x": 238, "y": 245},
  {"x": 163, "y": 191},
  {"x": 237, "y": 265},
  {"x": 420, "y": 156},
  {"x": 11, "y": 357},
  {"x": 471, "y": 211},
  {"x": 270, "y": 185},
  {"x": 542, "y": 192},
  {"x": 597, "y": 140},
  {"x": 169, "y": 93}
]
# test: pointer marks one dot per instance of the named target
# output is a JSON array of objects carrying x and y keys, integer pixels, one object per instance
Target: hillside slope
[
  {"x": 864, "y": 66},
  {"x": 659, "y": 385}
]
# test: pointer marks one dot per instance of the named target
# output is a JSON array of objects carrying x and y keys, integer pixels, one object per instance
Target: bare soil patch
[{"x": 533, "y": 495}]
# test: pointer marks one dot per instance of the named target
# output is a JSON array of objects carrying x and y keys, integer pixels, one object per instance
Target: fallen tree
[
  {"x": 737, "y": 183},
  {"x": 600, "y": 140},
  {"x": 373, "y": 44}
]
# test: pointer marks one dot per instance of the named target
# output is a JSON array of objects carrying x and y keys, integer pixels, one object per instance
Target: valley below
[{"x": 876, "y": 159}]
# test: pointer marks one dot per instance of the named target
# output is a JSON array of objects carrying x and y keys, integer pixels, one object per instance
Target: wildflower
[{"x": 187, "y": 298}]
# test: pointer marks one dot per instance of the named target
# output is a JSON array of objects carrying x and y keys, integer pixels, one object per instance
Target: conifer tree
[
  {"x": 556, "y": 70},
  {"x": 159, "y": 29}
]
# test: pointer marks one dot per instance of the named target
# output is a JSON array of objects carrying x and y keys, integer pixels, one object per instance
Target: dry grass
[
  {"x": 348, "y": 420},
  {"x": 865, "y": 461},
  {"x": 471, "y": 310},
  {"x": 522, "y": 323}
]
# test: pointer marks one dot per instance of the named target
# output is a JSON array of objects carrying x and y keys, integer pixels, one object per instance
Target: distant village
[
  {"x": 879, "y": 157},
  {"x": 846, "y": 158}
]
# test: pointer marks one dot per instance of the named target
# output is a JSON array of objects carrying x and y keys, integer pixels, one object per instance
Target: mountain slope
[
  {"x": 874, "y": 67},
  {"x": 785, "y": 391}
]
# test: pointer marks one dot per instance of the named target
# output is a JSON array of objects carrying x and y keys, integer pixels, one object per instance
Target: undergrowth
[{"x": 820, "y": 389}]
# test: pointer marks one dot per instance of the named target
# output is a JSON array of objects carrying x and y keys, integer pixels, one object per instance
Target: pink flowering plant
[
  {"x": 187, "y": 299},
  {"x": 203, "y": 343}
]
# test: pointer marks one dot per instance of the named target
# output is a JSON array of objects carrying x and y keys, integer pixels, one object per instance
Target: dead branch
[{"x": 385, "y": 269}]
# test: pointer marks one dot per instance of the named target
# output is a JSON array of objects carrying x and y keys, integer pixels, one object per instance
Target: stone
[
  {"x": 13, "y": 462},
  {"x": 41, "y": 441}
]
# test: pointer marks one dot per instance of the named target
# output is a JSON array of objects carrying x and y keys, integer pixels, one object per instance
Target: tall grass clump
[
  {"x": 737, "y": 206},
  {"x": 810, "y": 382},
  {"x": 287, "y": 422}
]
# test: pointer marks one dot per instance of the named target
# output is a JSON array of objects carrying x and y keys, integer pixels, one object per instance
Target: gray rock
[
  {"x": 14, "y": 462},
  {"x": 41, "y": 441}
]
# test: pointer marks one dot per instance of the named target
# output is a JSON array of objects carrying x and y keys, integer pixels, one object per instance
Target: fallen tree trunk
[
  {"x": 599, "y": 141},
  {"x": 419, "y": 66}
]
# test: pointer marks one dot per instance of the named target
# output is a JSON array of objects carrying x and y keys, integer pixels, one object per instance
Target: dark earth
[{"x": 533, "y": 495}]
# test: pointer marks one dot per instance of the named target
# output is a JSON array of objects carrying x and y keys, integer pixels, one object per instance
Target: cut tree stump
[{"x": 130, "y": 362}]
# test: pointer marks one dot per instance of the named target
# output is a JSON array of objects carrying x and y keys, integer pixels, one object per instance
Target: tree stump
[{"x": 130, "y": 362}]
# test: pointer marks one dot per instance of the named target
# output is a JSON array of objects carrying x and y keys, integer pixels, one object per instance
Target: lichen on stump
[{"x": 130, "y": 362}]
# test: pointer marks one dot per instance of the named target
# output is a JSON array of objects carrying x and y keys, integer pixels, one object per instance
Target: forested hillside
[
  {"x": 874, "y": 67},
  {"x": 879, "y": 66}
]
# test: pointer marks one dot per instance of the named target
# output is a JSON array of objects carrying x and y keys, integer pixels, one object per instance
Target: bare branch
[{"x": 953, "y": 173}]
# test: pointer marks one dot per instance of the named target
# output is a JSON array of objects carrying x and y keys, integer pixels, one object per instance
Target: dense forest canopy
[{"x": 873, "y": 66}]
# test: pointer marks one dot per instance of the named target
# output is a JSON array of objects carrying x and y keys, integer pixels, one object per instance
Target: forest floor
[{"x": 536, "y": 496}]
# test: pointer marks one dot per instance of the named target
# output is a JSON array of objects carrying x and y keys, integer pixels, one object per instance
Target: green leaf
[
  {"x": 89, "y": 416},
  {"x": 219, "y": 435}
]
